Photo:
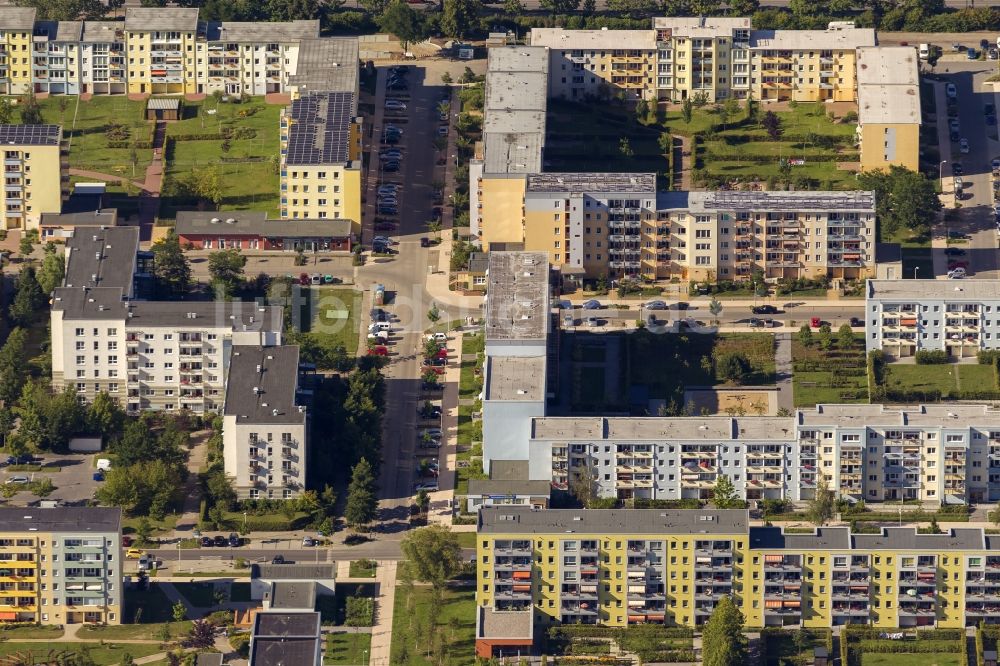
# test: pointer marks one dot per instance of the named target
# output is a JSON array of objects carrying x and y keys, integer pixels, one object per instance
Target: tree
[
  {"x": 6, "y": 112},
  {"x": 715, "y": 308},
  {"x": 665, "y": 142},
  {"x": 362, "y": 502},
  {"x": 31, "y": 112},
  {"x": 433, "y": 555},
  {"x": 226, "y": 269},
  {"x": 170, "y": 267},
  {"x": 724, "y": 494},
  {"x": 513, "y": 7},
  {"x": 6, "y": 423},
  {"x": 559, "y": 6},
  {"x": 825, "y": 337},
  {"x": 143, "y": 530},
  {"x": 723, "y": 642},
  {"x": 434, "y": 315},
  {"x": 13, "y": 366},
  {"x": 423, "y": 500},
  {"x": 806, "y": 335},
  {"x": 734, "y": 368},
  {"x": 104, "y": 416},
  {"x": 625, "y": 148},
  {"x": 730, "y": 109},
  {"x": 26, "y": 245},
  {"x": 65, "y": 10},
  {"x": 752, "y": 108},
  {"x": 582, "y": 486},
  {"x": 772, "y": 125},
  {"x": 904, "y": 200},
  {"x": 50, "y": 275},
  {"x": 458, "y": 17},
  {"x": 48, "y": 420},
  {"x": 821, "y": 507},
  {"x": 202, "y": 635},
  {"x": 687, "y": 110},
  {"x": 403, "y": 21},
  {"x": 845, "y": 337},
  {"x": 743, "y": 7},
  {"x": 994, "y": 515},
  {"x": 179, "y": 611}
]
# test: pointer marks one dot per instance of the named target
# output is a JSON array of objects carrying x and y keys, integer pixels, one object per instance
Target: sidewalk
[
  {"x": 381, "y": 645},
  {"x": 437, "y": 283},
  {"x": 441, "y": 501}
]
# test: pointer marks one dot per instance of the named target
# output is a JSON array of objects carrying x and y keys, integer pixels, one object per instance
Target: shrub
[{"x": 931, "y": 357}]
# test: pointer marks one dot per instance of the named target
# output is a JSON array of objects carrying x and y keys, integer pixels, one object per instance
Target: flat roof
[
  {"x": 107, "y": 303},
  {"x": 17, "y": 18},
  {"x": 515, "y": 378},
  {"x": 888, "y": 85},
  {"x": 505, "y": 624},
  {"x": 103, "y": 31},
  {"x": 944, "y": 416},
  {"x": 290, "y": 595},
  {"x": 61, "y": 519},
  {"x": 907, "y": 539},
  {"x": 888, "y": 66},
  {"x": 97, "y": 257},
  {"x": 142, "y": 19},
  {"x": 235, "y": 315},
  {"x": 700, "y": 26},
  {"x": 524, "y": 520},
  {"x": 560, "y": 38},
  {"x": 521, "y": 487},
  {"x": 261, "y": 31},
  {"x": 105, "y": 217},
  {"x": 822, "y": 538},
  {"x": 30, "y": 135},
  {"x": 262, "y": 384},
  {"x": 659, "y": 428},
  {"x": 209, "y": 659},
  {"x": 192, "y": 222},
  {"x": 319, "y": 128},
  {"x": 812, "y": 40},
  {"x": 925, "y": 290},
  {"x": 326, "y": 64},
  {"x": 626, "y": 183},
  {"x": 515, "y": 100},
  {"x": 731, "y": 200},
  {"x": 517, "y": 296},
  {"x": 293, "y": 571}
]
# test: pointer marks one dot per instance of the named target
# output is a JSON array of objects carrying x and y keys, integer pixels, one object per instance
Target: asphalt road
[
  {"x": 602, "y": 4},
  {"x": 976, "y": 216},
  {"x": 792, "y": 313},
  {"x": 377, "y": 549}
]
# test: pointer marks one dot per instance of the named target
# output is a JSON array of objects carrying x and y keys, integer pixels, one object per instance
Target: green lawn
[
  {"x": 425, "y": 632},
  {"x": 466, "y": 539},
  {"x": 905, "y": 659},
  {"x": 199, "y": 594},
  {"x": 348, "y": 649},
  {"x": 363, "y": 569},
  {"x": 88, "y": 143},
  {"x": 114, "y": 632},
  {"x": 31, "y": 631},
  {"x": 840, "y": 378},
  {"x": 102, "y": 655},
  {"x": 326, "y": 327},
  {"x": 973, "y": 376},
  {"x": 473, "y": 344},
  {"x": 469, "y": 431},
  {"x": 469, "y": 383},
  {"x": 914, "y": 377},
  {"x": 159, "y": 526},
  {"x": 248, "y": 176},
  {"x": 150, "y": 605}
]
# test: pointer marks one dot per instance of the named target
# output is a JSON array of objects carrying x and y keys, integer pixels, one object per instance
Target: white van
[
  {"x": 924, "y": 51},
  {"x": 103, "y": 464}
]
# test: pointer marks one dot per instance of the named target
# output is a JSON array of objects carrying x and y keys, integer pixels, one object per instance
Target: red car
[
  {"x": 442, "y": 353},
  {"x": 304, "y": 279},
  {"x": 437, "y": 370},
  {"x": 126, "y": 541},
  {"x": 378, "y": 350},
  {"x": 816, "y": 322}
]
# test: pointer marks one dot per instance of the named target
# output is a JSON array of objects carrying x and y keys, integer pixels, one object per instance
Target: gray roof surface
[
  {"x": 320, "y": 128},
  {"x": 103, "y": 31},
  {"x": 141, "y": 19},
  {"x": 824, "y": 538},
  {"x": 62, "y": 519},
  {"x": 262, "y": 381},
  {"x": 209, "y": 659},
  {"x": 328, "y": 64},
  {"x": 163, "y": 103},
  {"x": 505, "y": 624},
  {"x": 17, "y": 18},
  {"x": 30, "y": 135},
  {"x": 906, "y": 538},
  {"x": 60, "y": 31},
  {"x": 514, "y": 109},
  {"x": 638, "y": 428},
  {"x": 487, "y": 487},
  {"x": 509, "y": 470},
  {"x": 286, "y": 624},
  {"x": 943, "y": 290},
  {"x": 109, "y": 254},
  {"x": 293, "y": 571},
  {"x": 522, "y": 520},
  {"x": 517, "y": 301},
  {"x": 235, "y": 315},
  {"x": 290, "y": 595},
  {"x": 285, "y": 639},
  {"x": 729, "y": 200},
  {"x": 256, "y": 222},
  {"x": 514, "y": 378},
  {"x": 105, "y": 217},
  {"x": 83, "y": 303},
  {"x": 561, "y": 38},
  {"x": 936, "y": 416},
  {"x": 637, "y": 183},
  {"x": 844, "y": 38},
  {"x": 261, "y": 31}
]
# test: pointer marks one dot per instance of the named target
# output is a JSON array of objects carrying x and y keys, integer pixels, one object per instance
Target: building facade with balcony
[
  {"x": 60, "y": 566},
  {"x": 16, "y": 48},
  {"x": 33, "y": 174},
  {"x": 960, "y": 317},
  {"x": 624, "y": 567},
  {"x": 702, "y": 56},
  {"x": 264, "y": 423}
]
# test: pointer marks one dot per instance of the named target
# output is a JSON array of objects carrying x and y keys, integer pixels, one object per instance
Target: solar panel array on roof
[
  {"x": 33, "y": 135},
  {"x": 319, "y": 128}
]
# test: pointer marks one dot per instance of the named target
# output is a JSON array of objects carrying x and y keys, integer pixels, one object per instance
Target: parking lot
[{"x": 72, "y": 475}]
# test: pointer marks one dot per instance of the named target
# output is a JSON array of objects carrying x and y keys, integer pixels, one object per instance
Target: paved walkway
[
  {"x": 385, "y": 576},
  {"x": 783, "y": 370},
  {"x": 193, "y": 613},
  {"x": 192, "y": 488},
  {"x": 149, "y": 198},
  {"x": 106, "y": 177}
]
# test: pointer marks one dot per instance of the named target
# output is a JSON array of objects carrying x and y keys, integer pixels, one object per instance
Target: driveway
[{"x": 71, "y": 474}]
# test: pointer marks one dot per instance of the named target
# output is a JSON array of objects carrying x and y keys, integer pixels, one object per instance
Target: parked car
[
  {"x": 206, "y": 542},
  {"x": 955, "y": 252},
  {"x": 971, "y": 54},
  {"x": 592, "y": 305},
  {"x": 19, "y": 480},
  {"x": 443, "y": 130},
  {"x": 427, "y": 486},
  {"x": 220, "y": 541},
  {"x": 234, "y": 540},
  {"x": 815, "y": 322},
  {"x": 656, "y": 305},
  {"x": 765, "y": 309},
  {"x": 126, "y": 541},
  {"x": 378, "y": 350},
  {"x": 434, "y": 433},
  {"x": 963, "y": 146},
  {"x": 950, "y": 89},
  {"x": 394, "y": 105},
  {"x": 425, "y": 242},
  {"x": 278, "y": 559},
  {"x": 856, "y": 322},
  {"x": 954, "y": 125},
  {"x": 957, "y": 169},
  {"x": 308, "y": 542},
  {"x": 133, "y": 553}
]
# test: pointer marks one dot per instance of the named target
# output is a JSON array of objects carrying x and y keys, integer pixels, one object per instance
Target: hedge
[
  {"x": 931, "y": 357},
  {"x": 139, "y": 145},
  {"x": 909, "y": 647},
  {"x": 204, "y": 136}
]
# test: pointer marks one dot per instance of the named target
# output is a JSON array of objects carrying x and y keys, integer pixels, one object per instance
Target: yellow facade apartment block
[
  {"x": 16, "y": 49},
  {"x": 889, "y": 112},
  {"x": 33, "y": 171},
  {"x": 160, "y": 47}
]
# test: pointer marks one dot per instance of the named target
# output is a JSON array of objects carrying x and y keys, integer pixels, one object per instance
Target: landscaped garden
[
  {"x": 828, "y": 374},
  {"x": 651, "y": 643},
  {"x": 333, "y": 316},
  {"x": 862, "y": 645},
  {"x": 426, "y": 632}
]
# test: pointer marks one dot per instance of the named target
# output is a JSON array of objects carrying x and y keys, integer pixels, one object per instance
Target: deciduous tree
[
  {"x": 226, "y": 269},
  {"x": 170, "y": 267},
  {"x": 13, "y": 366},
  {"x": 724, "y": 494},
  {"x": 723, "y": 642},
  {"x": 821, "y": 508},
  {"x": 403, "y": 21},
  {"x": 433, "y": 555}
]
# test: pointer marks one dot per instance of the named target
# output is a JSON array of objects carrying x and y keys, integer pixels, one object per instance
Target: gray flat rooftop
[
  {"x": 17, "y": 18},
  {"x": 929, "y": 290},
  {"x": 293, "y": 595},
  {"x": 209, "y": 659},
  {"x": 285, "y": 639},
  {"x": 695, "y": 428},
  {"x": 107, "y": 303},
  {"x": 835, "y": 202},
  {"x": 953, "y": 415},
  {"x": 523, "y": 520},
  {"x": 888, "y": 66},
  {"x": 105, "y": 217},
  {"x": 286, "y": 624},
  {"x": 517, "y": 300},
  {"x": 494, "y": 487},
  {"x": 845, "y": 39},
  {"x": 505, "y": 624},
  {"x": 232, "y": 315},
  {"x": 262, "y": 384},
  {"x": 514, "y": 109},
  {"x": 160, "y": 19},
  {"x": 888, "y": 85},
  {"x": 822, "y": 538},
  {"x": 103, "y": 31},
  {"x": 328, "y": 64},
  {"x": 698, "y": 26},
  {"x": 293, "y": 571},
  {"x": 907, "y": 539},
  {"x": 262, "y": 31},
  {"x": 517, "y": 59},
  {"x": 515, "y": 378},
  {"x": 253, "y": 222},
  {"x": 320, "y": 128},
  {"x": 63, "y": 519},
  {"x": 560, "y": 38},
  {"x": 98, "y": 257},
  {"x": 30, "y": 135},
  {"x": 625, "y": 183}
]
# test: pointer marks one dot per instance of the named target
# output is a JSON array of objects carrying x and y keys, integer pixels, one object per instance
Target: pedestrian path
[{"x": 381, "y": 646}]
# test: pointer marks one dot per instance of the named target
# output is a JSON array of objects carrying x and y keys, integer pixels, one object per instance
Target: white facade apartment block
[{"x": 957, "y": 316}]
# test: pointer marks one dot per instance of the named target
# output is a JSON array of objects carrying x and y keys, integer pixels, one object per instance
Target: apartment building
[
  {"x": 244, "y": 58},
  {"x": 321, "y": 158},
  {"x": 599, "y": 64},
  {"x": 17, "y": 29},
  {"x": 33, "y": 174},
  {"x": 807, "y": 65},
  {"x": 624, "y": 567},
  {"x": 264, "y": 423},
  {"x": 147, "y": 355},
  {"x": 103, "y": 68},
  {"x": 959, "y": 317},
  {"x": 161, "y": 45},
  {"x": 707, "y": 56},
  {"x": 888, "y": 107},
  {"x": 60, "y": 566},
  {"x": 56, "y": 57}
]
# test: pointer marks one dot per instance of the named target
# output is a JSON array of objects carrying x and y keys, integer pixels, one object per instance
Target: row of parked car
[{"x": 430, "y": 433}]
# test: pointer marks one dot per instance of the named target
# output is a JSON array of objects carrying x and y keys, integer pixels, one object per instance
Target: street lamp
[
  {"x": 915, "y": 269},
  {"x": 941, "y": 172}
]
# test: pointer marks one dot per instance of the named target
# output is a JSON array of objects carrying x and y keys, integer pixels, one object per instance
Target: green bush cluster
[{"x": 931, "y": 357}]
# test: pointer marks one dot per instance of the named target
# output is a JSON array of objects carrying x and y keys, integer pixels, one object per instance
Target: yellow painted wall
[
  {"x": 907, "y": 140},
  {"x": 502, "y": 202}
]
